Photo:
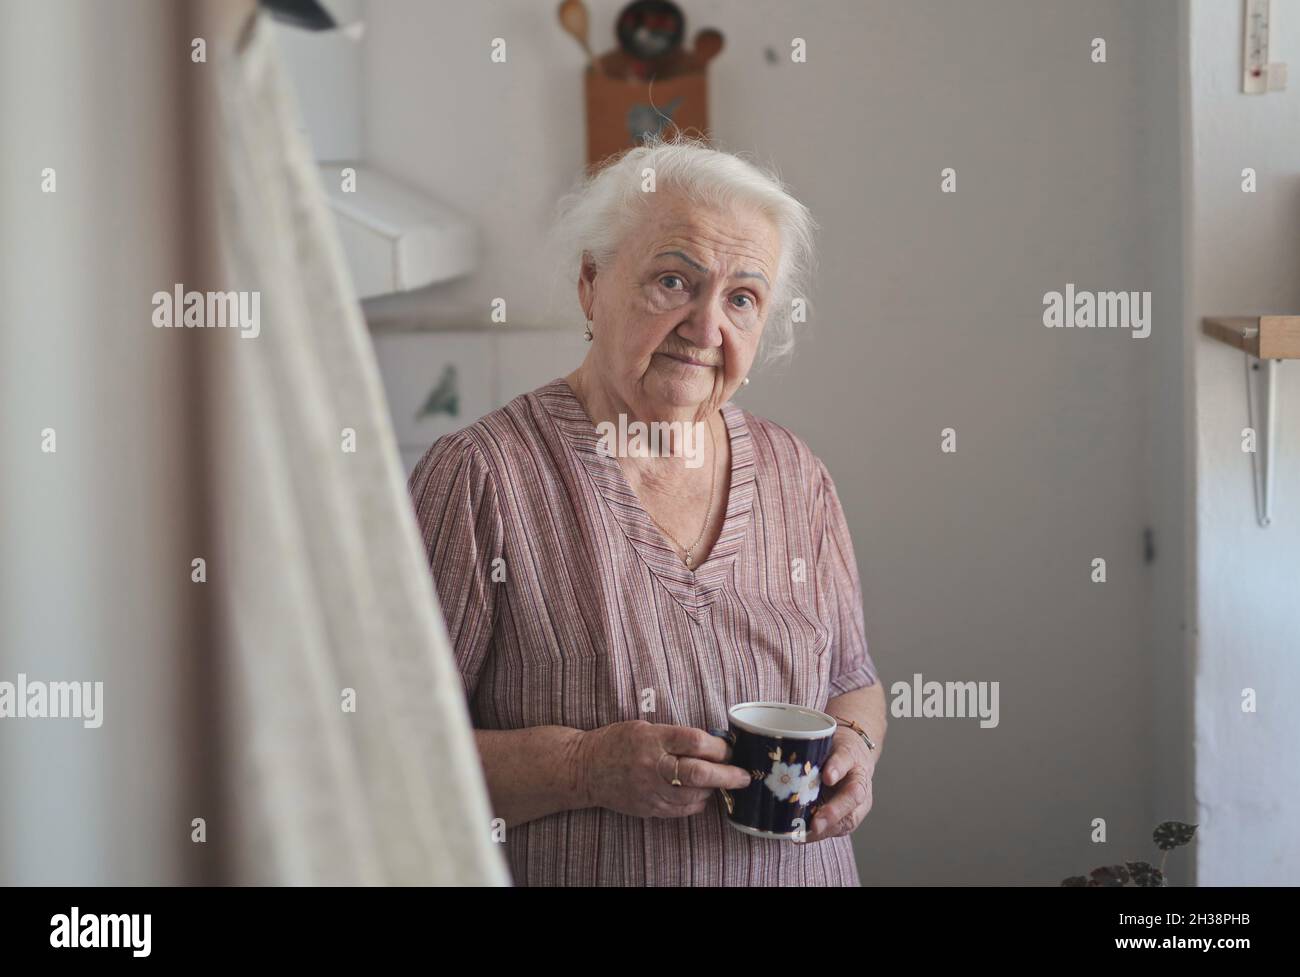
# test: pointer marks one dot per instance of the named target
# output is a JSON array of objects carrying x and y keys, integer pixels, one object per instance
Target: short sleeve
[
  {"x": 456, "y": 507},
  {"x": 840, "y": 591}
]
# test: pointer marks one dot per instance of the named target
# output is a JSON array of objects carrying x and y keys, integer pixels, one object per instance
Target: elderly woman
[{"x": 606, "y": 607}]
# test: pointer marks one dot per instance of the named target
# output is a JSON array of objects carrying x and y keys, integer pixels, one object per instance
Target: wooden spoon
[
  {"x": 708, "y": 43},
  {"x": 573, "y": 18}
]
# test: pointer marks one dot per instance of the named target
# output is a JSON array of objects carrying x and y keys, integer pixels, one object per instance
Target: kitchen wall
[
  {"x": 1244, "y": 259},
  {"x": 102, "y": 501},
  {"x": 927, "y": 314}
]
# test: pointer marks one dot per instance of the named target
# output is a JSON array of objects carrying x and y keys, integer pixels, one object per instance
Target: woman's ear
[{"x": 587, "y": 282}]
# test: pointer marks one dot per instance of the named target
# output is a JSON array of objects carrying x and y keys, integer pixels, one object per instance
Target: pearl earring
[
  {"x": 587, "y": 335},
  {"x": 745, "y": 382}
]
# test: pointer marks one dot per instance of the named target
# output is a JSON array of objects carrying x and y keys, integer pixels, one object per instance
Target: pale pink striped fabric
[{"x": 596, "y": 608}]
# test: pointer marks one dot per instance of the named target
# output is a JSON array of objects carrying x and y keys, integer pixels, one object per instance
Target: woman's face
[{"x": 678, "y": 315}]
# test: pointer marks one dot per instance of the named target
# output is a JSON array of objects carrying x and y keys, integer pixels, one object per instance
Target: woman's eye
[
  {"x": 670, "y": 278},
  {"x": 747, "y": 298}
]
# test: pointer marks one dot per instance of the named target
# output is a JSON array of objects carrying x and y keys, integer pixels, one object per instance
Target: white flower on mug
[
  {"x": 784, "y": 780},
  {"x": 810, "y": 785}
]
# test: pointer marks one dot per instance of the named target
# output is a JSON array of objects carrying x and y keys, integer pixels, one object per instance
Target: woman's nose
[{"x": 703, "y": 327}]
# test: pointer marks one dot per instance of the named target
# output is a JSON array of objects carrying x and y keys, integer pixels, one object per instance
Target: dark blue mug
[{"x": 784, "y": 748}]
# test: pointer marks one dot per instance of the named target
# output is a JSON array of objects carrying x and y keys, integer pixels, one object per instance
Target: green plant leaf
[
  {"x": 1144, "y": 875},
  {"x": 1109, "y": 875},
  {"x": 1173, "y": 834}
]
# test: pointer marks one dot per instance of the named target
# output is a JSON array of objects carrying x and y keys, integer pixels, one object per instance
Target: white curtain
[
  {"x": 97, "y": 526},
  {"x": 225, "y": 752},
  {"x": 325, "y": 593}
]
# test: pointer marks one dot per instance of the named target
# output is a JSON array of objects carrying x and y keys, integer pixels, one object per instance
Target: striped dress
[{"x": 596, "y": 611}]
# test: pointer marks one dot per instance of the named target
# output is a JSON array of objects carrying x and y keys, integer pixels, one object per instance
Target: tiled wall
[{"x": 439, "y": 382}]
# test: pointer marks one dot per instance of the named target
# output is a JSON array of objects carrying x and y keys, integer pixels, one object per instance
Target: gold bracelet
[{"x": 853, "y": 725}]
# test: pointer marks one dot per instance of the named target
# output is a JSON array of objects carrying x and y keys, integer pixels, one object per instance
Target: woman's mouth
[{"x": 688, "y": 360}]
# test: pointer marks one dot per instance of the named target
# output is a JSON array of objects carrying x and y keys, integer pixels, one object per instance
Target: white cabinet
[{"x": 394, "y": 238}]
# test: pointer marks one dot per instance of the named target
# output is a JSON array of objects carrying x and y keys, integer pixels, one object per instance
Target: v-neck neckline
[{"x": 692, "y": 588}]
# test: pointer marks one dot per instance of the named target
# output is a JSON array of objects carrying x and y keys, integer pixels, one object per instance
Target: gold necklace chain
[{"x": 713, "y": 478}]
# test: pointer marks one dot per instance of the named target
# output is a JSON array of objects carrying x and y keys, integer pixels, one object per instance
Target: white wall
[
  {"x": 927, "y": 314},
  {"x": 327, "y": 67},
  {"x": 96, "y": 537},
  {"x": 1244, "y": 259},
  {"x": 1166, "y": 744}
]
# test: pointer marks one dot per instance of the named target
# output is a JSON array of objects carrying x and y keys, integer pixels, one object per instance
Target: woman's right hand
[{"x": 628, "y": 767}]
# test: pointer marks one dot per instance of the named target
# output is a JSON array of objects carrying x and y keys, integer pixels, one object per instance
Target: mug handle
[{"x": 730, "y": 737}]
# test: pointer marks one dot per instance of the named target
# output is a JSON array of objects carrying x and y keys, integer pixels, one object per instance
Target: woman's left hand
[{"x": 846, "y": 787}]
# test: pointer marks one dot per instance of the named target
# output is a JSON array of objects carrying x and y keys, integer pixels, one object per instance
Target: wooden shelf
[
  {"x": 1269, "y": 339},
  {"x": 1266, "y": 337}
]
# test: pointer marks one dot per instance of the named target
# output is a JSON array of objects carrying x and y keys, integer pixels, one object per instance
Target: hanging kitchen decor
[{"x": 650, "y": 83}]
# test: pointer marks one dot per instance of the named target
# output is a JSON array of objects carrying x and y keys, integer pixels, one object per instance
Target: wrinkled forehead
[{"x": 712, "y": 237}]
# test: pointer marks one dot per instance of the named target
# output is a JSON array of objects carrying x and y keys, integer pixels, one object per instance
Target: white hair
[{"x": 596, "y": 216}]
